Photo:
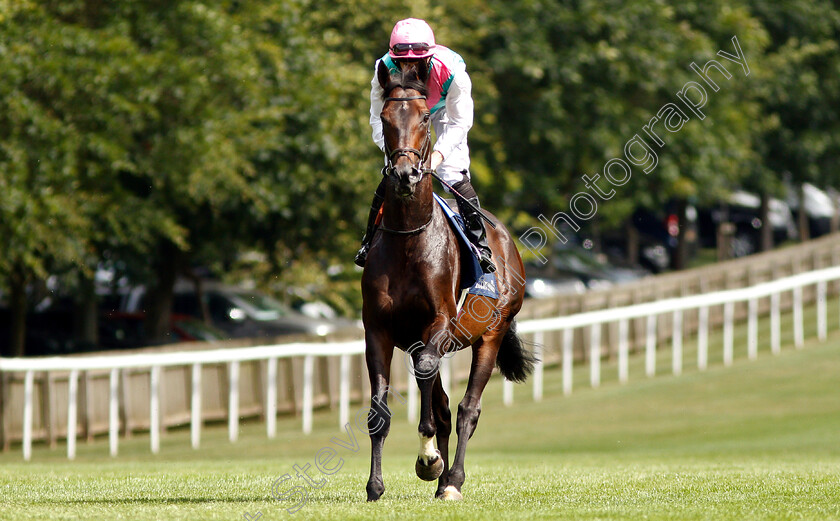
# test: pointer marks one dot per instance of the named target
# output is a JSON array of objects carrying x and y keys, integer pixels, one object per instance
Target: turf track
[{"x": 758, "y": 440}]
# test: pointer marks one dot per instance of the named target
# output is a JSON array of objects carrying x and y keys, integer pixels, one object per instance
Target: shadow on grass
[{"x": 157, "y": 501}]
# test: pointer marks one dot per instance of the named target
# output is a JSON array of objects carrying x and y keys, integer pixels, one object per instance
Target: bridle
[
  {"x": 419, "y": 167},
  {"x": 421, "y": 154}
]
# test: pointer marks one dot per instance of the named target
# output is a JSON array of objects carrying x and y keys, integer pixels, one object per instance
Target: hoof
[
  {"x": 375, "y": 491},
  {"x": 429, "y": 472},
  {"x": 451, "y": 493}
]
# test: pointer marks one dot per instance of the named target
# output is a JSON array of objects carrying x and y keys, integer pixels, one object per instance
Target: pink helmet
[{"x": 411, "y": 38}]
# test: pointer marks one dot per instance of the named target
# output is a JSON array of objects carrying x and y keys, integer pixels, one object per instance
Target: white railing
[
  {"x": 538, "y": 327},
  {"x": 155, "y": 361},
  {"x": 677, "y": 307}
]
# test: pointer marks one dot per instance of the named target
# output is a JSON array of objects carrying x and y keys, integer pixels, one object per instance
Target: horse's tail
[{"x": 513, "y": 360}]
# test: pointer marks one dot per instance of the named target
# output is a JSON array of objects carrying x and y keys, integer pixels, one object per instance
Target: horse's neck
[
  {"x": 400, "y": 214},
  {"x": 431, "y": 248}
]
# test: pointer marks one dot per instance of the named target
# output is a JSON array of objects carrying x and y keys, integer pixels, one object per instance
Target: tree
[
  {"x": 129, "y": 130},
  {"x": 48, "y": 215},
  {"x": 801, "y": 94},
  {"x": 578, "y": 82}
]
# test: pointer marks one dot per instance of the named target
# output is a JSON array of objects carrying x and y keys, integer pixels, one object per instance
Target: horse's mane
[{"x": 409, "y": 79}]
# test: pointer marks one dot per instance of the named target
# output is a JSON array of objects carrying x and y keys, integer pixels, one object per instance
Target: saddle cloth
[{"x": 472, "y": 278}]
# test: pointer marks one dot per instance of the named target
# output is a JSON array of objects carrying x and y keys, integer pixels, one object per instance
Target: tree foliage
[{"x": 158, "y": 136}]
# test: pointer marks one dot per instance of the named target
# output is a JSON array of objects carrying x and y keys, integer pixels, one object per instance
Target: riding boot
[
  {"x": 378, "y": 199},
  {"x": 474, "y": 224}
]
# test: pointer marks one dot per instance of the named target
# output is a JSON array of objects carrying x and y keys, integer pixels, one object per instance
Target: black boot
[
  {"x": 475, "y": 224},
  {"x": 378, "y": 199}
]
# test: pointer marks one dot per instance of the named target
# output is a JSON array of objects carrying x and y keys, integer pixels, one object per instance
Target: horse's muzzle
[{"x": 407, "y": 178}]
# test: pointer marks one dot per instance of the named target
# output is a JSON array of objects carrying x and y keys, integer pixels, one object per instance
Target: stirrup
[{"x": 485, "y": 261}]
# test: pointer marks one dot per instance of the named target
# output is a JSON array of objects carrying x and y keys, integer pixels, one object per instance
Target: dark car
[
  {"x": 743, "y": 210},
  {"x": 574, "y": 269},
  {"x": 240, "y": 313},
  {"x": 52, "y": 330},
  {"x": 658, "y": 235},
  {"x": 593, "y": 270},
  {"x": 540, "y": 282},
  {"x": 119, "y": 330}
]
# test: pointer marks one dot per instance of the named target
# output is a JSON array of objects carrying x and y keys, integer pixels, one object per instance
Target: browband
[{"x": 407, "y": 98}]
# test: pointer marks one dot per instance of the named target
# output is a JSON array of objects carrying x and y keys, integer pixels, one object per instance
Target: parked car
[
  {"x": 240, "y": 313},
  {"x": 743, "y": 210},
  {"x": 574, "y": 269},
  {"x": 540, "y": 284},
  {"x": 819, "y": 208},
  {"x": 119, "y": 330},
  {"x": 658, "y": 235},
  {"x": 50, "y": 331},
  {"x": 544, "y": 287}
]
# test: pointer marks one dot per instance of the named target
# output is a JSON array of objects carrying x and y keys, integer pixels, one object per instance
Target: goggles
[{"x": 401, "y": 49}]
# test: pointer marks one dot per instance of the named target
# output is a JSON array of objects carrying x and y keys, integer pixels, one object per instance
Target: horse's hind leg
[
  {"x": 484, "y": 358},
  {"x": 378, "y": 354}
]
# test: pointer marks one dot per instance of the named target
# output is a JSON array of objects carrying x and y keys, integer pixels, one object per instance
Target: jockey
[{"x": 450, "y": 101}]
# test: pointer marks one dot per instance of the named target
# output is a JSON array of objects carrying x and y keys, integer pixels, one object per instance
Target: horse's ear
[
  {"x": 383, "y": 74},
  {"x": 416, "y": 70},
  {"x": 423, "y": 70}
]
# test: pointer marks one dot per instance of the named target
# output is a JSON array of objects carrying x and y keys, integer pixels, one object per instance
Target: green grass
[{"x": 758, "y": 440}]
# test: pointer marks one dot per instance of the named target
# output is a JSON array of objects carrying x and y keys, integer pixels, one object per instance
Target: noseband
[{"x": 407, "y": 151}]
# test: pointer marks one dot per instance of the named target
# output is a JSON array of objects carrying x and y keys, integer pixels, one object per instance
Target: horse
[{"x": 410, "y": 288}]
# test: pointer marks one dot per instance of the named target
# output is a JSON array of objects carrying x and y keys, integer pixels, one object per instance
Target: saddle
[{"x": 473, "y": 279}]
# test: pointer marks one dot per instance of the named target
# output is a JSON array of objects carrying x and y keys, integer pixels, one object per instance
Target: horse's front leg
[
  {"x": 378, "y": 354},
  {"x": 434, "y": 421},
  {"x": 443, "y": 423}
]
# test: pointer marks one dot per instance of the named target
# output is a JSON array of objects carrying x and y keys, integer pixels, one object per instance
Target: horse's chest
[
  {"x": 406, "y": 303},
  {"x": 405, "y": 310}
]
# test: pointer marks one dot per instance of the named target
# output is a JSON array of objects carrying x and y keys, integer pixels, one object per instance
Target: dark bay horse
[{"x": 411, "y": 287}]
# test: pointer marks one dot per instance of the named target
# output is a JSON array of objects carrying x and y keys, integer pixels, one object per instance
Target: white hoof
[{"x": 451, "y": 493}]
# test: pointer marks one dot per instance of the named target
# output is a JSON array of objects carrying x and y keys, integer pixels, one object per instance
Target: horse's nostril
[{"x": 406, "y": 174}]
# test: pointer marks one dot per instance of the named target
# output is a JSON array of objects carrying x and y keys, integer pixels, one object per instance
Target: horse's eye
[{"x": 426, "y": 117}]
